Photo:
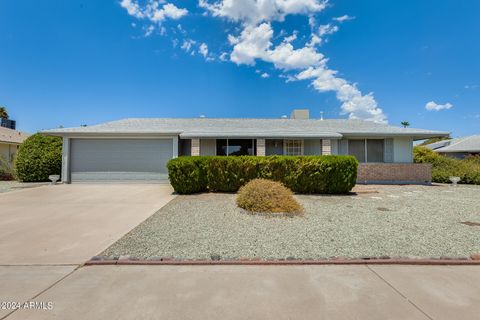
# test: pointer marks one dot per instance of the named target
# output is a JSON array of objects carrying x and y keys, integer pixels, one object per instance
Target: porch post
[
  {"x": 195, "y": 147},
  {"x": 66, "y": 160},
  {"x": 326, "y": 147},
  {"x": 261, "y": 152},
  {"x": 175, "y": 147}
]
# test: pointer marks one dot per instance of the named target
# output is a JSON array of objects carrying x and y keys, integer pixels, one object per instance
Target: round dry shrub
[
  {"x": 38, "y": 157},
  {"x": 261, "y": 195}
]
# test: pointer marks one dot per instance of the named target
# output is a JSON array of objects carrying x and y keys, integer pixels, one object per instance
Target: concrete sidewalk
[{"x": 254, "y": 292}]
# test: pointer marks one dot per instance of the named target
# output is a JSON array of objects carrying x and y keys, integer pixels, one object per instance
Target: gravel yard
[{"x": 398, "y": 221}]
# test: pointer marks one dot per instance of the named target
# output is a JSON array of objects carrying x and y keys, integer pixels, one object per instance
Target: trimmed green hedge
[
  {"x": 38, "y": 157},
  {"x": 309, "y": 174},
  {"x": 443, "y": 167}
]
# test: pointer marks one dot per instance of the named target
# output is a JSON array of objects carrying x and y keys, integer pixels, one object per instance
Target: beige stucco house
[
  {"x": 10, "y": 140},
  {"x": 139, "y": 149}
]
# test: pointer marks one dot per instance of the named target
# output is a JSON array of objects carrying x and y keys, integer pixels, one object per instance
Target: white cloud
[
  {"x": 252, "y": 44},
  {"x": 256, "y": 11},
  {"x": 187, "y": 45},
  {"x": 223, "y": 56},
  {"x": 168, "y": 11},
  {"x": 255, "y": 43},
  {"x": 133, "y": 8},
  {"x": 265, "y": 75},
  {"x": 155, "y": 10},
  {"x": 433, "y": 106},
  {"x": 343, "y": 18},
  {"x": 356, "y": 105},
  {"x": 327, "y": 29},
  {"x": 149, "y": 30},
  {"x": 203, "y": 50},
  {"x": 286, "y": 57}
]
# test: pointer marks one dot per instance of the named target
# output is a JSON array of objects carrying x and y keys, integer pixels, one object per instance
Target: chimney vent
[{"x": 300, "y": 114}]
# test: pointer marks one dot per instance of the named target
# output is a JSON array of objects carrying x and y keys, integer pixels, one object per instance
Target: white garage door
[{"x": 113, "y": 160}]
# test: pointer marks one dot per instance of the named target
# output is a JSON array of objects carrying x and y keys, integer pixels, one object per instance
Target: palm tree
[
  {"x": 3, "y": 113},
  {"x": 405, "y": 124}
]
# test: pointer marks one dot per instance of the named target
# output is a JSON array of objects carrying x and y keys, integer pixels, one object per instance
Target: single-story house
[
  {"x": 457, "y": 148},
  {"x": 138, "y": 149},
  {"x": 10, "y": 140}
]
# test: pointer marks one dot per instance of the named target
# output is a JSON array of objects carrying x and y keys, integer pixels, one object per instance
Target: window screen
[
  {"x": 356, "y": 148},
  {"x": 375, "y": 149},
  {"x": 293, "y": 147}
]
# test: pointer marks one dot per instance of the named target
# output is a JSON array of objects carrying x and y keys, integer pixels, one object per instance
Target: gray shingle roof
[
  {"x": 267, "y": 128},
  {"x": 465, "y": 144}
]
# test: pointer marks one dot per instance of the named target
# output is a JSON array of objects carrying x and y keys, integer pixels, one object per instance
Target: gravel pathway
[{"x": 398, "y": 221}]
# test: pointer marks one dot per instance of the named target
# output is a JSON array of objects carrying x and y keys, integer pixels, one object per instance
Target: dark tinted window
[
  {"x": 221, "y": 147},
  {"x": 375, "y": 149},
  {"x": 356, "y": 148},
  {"x": 235, "y": 147}
]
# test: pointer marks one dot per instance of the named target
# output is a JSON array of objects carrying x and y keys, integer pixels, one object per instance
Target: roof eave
[
  {"x": 107, "y": 133},
  {"x": 224, "y": 135}
]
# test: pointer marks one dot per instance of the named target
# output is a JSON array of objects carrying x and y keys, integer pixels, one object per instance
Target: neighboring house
[
  {"x": 138, "y": 149},
  {"x": 10, "y": 140},
  {"x": 458, "y": 147}
]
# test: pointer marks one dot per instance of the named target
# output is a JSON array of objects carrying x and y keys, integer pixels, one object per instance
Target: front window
[
  {"x": 293, "y": 147},
  {"x": 367, "y": 150},
  {"x": 235, "y": 147}
]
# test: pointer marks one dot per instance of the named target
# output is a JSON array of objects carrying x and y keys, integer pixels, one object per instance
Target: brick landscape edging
[{"x": 426, "y": 262}]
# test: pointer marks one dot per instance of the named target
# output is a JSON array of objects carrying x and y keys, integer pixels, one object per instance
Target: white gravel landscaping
[{"x": 398, "y": 221}]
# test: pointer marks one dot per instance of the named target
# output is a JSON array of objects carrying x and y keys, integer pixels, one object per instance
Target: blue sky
[{"x": 85, "y": 62}]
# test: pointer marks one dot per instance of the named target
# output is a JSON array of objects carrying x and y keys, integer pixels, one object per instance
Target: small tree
[
  {"x": 3, "y": 113},
  {"x": 405, "y": 124}
]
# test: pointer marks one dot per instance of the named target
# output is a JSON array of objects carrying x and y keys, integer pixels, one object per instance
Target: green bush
[
  {"x": 38, "y": 157},
  {"x": 311, "y": 174},
  {"x": 187, "y": 174},
  {"x": 443, "y": 167},
  {"x": 7, "y": 171}
]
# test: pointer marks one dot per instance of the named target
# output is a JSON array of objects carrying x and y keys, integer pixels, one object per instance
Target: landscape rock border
[{"x": 128, "y": 260}]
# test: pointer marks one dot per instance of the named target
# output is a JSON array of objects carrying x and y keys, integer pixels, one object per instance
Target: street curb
[{"x": 419, "y": 262}]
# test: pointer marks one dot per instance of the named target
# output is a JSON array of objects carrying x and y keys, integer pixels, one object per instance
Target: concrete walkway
[
  {"x": 249, "y": 292},
  {"x": 68, "y": 224}
]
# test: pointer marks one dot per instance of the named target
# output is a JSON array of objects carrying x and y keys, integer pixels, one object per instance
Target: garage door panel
[
  {"x": 120, "y": 159},
  {"x": 118, "y": 176}
]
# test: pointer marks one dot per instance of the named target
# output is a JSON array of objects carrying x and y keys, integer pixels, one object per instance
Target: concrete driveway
[{"x": 68, "y": 224}]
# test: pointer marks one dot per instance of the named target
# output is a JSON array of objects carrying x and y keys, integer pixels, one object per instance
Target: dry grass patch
[{"x": 266, "y": 196}]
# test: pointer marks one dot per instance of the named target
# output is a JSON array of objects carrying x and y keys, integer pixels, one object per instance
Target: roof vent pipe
[{"x": 321, "y": 115}]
